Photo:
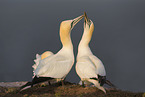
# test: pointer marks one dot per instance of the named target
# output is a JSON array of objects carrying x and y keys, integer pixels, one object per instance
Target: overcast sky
[{"x": 28, "y": 27}]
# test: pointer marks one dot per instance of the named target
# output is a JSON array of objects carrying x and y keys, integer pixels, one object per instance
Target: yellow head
[
  {"x": 88, "y": 31},
  {"x": 65, "y": 29},
  {"x": 88, "y": 26}
]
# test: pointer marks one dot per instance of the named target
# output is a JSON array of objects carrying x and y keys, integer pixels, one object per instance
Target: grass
[{"x": 69, "y": 90}]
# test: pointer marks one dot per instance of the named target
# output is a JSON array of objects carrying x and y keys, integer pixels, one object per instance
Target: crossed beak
[
  {"x": 87, "y": 20},
  {"x": 76, "y": 20}
]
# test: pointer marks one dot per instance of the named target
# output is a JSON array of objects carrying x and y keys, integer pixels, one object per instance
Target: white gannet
[
  {"x": 56, "y": 66},
  {"x": 88, "y": 66}
]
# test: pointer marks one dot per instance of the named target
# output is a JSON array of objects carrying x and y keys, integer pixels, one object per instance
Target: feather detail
[{"x": 38, "y": 59}]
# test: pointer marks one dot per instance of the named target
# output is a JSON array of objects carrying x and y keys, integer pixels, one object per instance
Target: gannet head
[
  {"x": 67, "y": 25},
  {"x": 65, "y": 29},
  {"x": 88, "y": 25},
  {"x": 88, "y": 31}
]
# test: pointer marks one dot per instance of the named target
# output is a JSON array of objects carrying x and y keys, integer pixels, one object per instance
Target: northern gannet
[
  {"x": 88, "y": 66},
  {"x": 56, "y": 66}
]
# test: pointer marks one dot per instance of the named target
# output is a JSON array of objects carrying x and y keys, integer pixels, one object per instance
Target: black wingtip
[
  {"x": 40, "y": 79},
  {"x": 36, "y": 80},
  {"x": 100, "y": 79},
  {"x": 109, "y": 83},
  {"x": 27, "y": 84}
]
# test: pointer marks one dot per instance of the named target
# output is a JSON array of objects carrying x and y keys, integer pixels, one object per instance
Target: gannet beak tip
[{"x": 85, "y": 15}]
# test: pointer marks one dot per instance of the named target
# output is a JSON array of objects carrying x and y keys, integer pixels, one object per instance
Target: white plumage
[
  {"x": 39, "y": 58},
  {"x": 55, "y": 66},
  {"x": 58, "y": 65},
  {"x": 89, "y": 67}
]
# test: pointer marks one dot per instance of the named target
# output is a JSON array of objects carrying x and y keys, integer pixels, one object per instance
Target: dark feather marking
[
  {"x": 109, "y": 83},
  {"x": 27, "y": 84},
  {"x": 101, "y": 79},
  {"x": 39, "y": 80},
  {"x": 94, "y": 78},
  {"x": 36, "y": 80},
  {"x": 72, "y": 24}
]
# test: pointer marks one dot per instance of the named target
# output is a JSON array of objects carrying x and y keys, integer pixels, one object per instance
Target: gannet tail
[
  {"x": 27, "y": 85},
  {"x": 39, "y": 80},
  {"x": 102, "y": 80},
  {"x": 109, "y": 83},
  {"x": 35, "y": 80}
]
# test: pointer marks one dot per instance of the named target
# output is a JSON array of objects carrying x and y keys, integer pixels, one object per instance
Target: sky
[{"x": 28, "y": 27}]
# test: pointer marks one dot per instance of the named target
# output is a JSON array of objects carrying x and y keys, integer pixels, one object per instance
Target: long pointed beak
[
  {"x": 76, "y": 20},
  {"x": 86, "y": 17}
]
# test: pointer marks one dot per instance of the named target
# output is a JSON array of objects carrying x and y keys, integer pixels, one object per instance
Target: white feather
[
  {"x": 39, "y": 58},
  {"x": 88, "y": 66},
  {"x": 56, "y": 66}
]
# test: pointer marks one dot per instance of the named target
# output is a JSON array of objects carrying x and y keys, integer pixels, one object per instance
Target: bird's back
[{"x": 56, "y": 66}]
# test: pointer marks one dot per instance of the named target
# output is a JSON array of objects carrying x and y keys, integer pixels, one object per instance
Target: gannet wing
[
  {"x": 40, "y": 57},
  {"x": 55, "y": 67},
  {"x": 101, "y": 71},
  {"x": 86, "y": 68},
  {"x": 98, "y": 64}
]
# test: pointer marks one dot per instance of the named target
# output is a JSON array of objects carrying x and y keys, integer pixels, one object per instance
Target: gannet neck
[
  {"x": 84, "y": 51},
  {"x": 67, "y": 46},
  {"x": 65, "y": 31},
  {"x": 87, "y": 34},
  {"x": 86, "y": 38},
  {"x": 65, "y": 38},
  {"x": 83, "y": 48}
]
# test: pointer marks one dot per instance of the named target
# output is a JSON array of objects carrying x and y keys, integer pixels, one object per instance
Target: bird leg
[
  {"x": 83, "y": 85},
  {"x": 62, "y": 82},
  {"x": 49, "y": 83}
]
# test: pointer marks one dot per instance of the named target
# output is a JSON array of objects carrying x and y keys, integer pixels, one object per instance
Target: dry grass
[{"x": 69, "y": 90}]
